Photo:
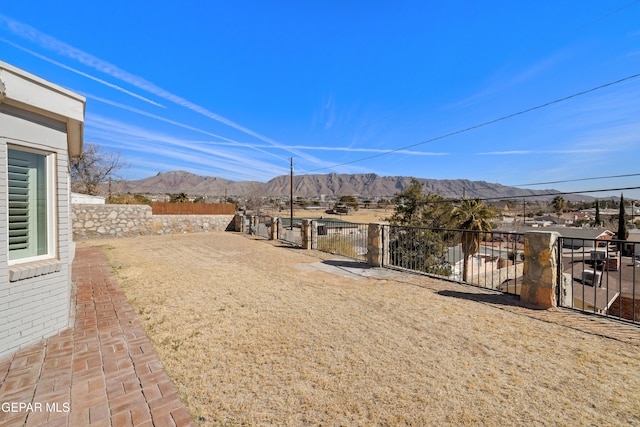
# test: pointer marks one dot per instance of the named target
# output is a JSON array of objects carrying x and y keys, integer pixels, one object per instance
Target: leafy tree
[
  {"x": 383, "y": 203},
  {"x": 414, "y": 208},
  {"x": 93, "y": 168},
  {"x": 474, "y": 217},
  {"x": 416, "y": 246},
  {"x": 349, "y": 201},
  {"x": 420, "y": 248},
  {"x": 408, "y": 205}
]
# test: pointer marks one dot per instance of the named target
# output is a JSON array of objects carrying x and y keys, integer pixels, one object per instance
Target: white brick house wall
[{"x": 35, "y": 292}]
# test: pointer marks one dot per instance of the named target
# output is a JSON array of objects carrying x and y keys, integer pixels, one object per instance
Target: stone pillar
[
  {"x": 306, "y": 234},
  {"x": 540, "y": 281},
  {"x": 238, "y": 223},
  {"x": 377, "y": 238},
  {"x": 273, "y": 231},
  {"x": 314, "y": 234}
]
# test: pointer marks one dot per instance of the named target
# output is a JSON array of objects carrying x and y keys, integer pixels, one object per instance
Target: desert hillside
[{"x": 329, "y": 185}]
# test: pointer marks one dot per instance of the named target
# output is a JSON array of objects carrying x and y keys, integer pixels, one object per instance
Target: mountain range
[{"x": 368, "y": 185}]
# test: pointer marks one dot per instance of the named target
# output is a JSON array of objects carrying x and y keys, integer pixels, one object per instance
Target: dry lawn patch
[
  {"x": 361, "y": 216},
  {"x": 248, "y": 338}
]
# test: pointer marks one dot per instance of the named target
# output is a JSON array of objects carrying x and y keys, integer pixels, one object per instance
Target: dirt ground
[
  {"x": 255, "y": 333},
  {"x": 361, "y": 216}
]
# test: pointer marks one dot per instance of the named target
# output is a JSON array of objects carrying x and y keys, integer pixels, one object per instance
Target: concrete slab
[{"x": 351, "y": 269}]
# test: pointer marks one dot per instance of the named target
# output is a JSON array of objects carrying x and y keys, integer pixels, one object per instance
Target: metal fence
[
  {"x": 598, "y": 276},
  {"x": 290, "y": 232},
  {"x": 601, "y": 277},
  {"x": 491, "y": 260},
  {"x": 341, "y": 238},
  {"x": 263, "y": 226}
]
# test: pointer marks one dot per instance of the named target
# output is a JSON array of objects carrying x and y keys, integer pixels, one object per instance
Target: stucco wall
[{"x": 109, "y": 221}]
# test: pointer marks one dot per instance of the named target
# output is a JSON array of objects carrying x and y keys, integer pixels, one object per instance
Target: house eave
[{"x": 31, "y": 93}]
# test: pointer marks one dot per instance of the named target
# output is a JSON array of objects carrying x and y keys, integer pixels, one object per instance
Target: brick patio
[{"x": 102, "y": 372}]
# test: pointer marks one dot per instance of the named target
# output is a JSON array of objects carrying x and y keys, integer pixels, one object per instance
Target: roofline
[{"x": 24, "y": 90}]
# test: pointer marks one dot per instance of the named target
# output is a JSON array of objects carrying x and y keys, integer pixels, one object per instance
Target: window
[{"x": 30, "y": 202}]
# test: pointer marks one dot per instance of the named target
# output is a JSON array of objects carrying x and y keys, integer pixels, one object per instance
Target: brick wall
[
  {"x": 33, "y": 309},
  {"x": 35, "y": 296},
  {"x": 623, "y": 306}
]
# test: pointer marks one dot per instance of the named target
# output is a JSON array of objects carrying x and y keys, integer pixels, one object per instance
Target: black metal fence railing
[
  {"x": 342, "y": 238},
  {"x": 601, "y": 277},
  {"x": 491, "y": 260}
]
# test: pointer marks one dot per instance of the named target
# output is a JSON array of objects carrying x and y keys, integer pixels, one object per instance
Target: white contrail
[
  {"x": 529, "y": 152},
  {"x": 229, "y": 142},
  {"x": 140, "y": 139},
  {"x": 89, "y": 60},
  {"x": 89, "y": 76}
]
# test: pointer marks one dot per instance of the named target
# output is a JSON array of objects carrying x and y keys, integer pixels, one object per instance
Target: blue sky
[{"x": 235, "y": 89}]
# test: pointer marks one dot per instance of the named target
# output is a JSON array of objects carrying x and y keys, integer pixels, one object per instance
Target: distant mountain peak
[{"x": 369, "y": 185}]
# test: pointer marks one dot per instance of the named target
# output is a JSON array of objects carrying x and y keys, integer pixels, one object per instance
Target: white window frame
[{"x": 51, "y": 204}]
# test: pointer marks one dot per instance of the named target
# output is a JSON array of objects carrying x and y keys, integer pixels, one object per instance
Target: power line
[
  {"x": 559, "y": 193},
  {"x": 578, "y": 179},
  {"x": 538, "y": 195},
  {"x": 487, "y": 123}
]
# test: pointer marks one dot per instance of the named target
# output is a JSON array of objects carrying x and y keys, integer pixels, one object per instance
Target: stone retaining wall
[{"x": 110, "y": 221}]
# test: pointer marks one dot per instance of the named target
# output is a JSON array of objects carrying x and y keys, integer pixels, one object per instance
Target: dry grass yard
[{"x": 256, "y": 334}]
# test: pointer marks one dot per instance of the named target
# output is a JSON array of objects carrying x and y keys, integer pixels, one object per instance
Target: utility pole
[{"x": 291, "y": 200}]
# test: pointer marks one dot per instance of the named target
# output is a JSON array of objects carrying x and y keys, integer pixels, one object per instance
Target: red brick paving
[{"x": 101, "y": 372}]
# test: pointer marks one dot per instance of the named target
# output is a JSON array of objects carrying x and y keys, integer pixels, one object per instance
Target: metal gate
[
  {"x": 290, "y": 232},
  {"x": 341, "y": 238}
]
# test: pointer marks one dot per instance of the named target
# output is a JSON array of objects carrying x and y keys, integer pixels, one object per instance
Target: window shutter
[{"x": 19, "y": 200}]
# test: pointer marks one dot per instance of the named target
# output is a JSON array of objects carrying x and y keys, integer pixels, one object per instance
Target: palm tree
[
  {"x": 181, "y": 198},
  {"x": 558, "y": 204},
  {"x": 474, "y": 216}
]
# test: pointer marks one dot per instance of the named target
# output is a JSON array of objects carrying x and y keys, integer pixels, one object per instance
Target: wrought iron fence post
[{"x": 279, "y": 228}]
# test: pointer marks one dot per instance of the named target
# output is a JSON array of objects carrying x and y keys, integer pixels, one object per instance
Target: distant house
[
  {"x": 574, "y": 237},
  {"x": 634, "y": 239},
  {"x": 564, "y": 219},
  {"x": 41, "y": 126}
]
